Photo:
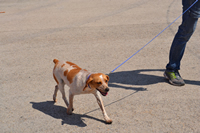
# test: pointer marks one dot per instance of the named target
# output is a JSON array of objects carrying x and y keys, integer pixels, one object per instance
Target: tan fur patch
[
  {"x": 72, "y": 64},
  {"x": 72, "y": 73},
  {"x": 55, "y": 66},
  {"x": 65, "y": 73},
  {"x": 55, "y": 79},
  {"x": 63, "y": 65},
  {"x": 85, "y": 70},
  {"x": 96, "y": 79},
  {"x": 55, "y": 61}
]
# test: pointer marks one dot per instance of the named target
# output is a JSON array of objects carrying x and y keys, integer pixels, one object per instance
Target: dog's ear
[
  {"x": 107, "y": 77},
  {"x": 87, "y": 82}
]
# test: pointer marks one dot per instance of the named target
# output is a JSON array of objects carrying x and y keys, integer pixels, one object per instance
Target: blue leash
[{"x": 153, "y": 38}]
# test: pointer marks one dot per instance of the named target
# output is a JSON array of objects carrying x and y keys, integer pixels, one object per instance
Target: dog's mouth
[{"x": 103, "y": 93}]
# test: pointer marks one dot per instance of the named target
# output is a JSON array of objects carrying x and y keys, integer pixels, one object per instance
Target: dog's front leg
[
  {"x": 70, "y": 107},
  {"x": 100, "y": 102}
]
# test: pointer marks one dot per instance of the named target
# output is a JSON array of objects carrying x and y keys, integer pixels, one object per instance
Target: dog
[{"x": 80, "y": 81}]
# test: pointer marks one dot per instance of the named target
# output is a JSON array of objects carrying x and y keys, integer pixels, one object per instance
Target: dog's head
[{"x": 98, "y": 81}]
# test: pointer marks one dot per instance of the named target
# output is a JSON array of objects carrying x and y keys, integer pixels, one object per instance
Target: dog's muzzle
[{"x": 104, "y": 93}]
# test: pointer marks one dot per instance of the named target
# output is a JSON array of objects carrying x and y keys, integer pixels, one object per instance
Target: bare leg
[{"x": 100, "y": 102}]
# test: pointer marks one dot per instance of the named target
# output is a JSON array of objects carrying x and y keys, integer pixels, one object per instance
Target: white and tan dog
[{"x": 80, "y": 81}]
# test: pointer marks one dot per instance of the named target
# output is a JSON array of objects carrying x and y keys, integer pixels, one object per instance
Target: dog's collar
[
  {"x": 88, "y": 76},
  {"x": 87, "y": 79},
  {"x": 89, "y": 86}
]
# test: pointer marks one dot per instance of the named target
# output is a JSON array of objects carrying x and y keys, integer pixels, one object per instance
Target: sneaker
[{"x": 174, "y": 78}]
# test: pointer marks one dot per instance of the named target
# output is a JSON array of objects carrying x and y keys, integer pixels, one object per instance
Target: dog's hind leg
[
  {"x": 62, "y": 90},
  {"x": 55, "y": 93},
  {"x": 70, "y": 107}
]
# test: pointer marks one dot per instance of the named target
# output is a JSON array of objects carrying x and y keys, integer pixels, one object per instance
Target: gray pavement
[{"x": 98, "y": 36}]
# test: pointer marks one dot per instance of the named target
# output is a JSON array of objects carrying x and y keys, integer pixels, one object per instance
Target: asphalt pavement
[{"x": 98, "y": 36}]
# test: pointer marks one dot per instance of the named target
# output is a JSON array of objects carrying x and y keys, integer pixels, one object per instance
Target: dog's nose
[{"x": 107, "y": 89}]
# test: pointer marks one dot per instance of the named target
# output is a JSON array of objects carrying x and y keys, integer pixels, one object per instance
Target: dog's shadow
[
  {"x": 59, "y": 112},
  {"x": 140, "y": 77},
  {"x": 117, "y": 79}
]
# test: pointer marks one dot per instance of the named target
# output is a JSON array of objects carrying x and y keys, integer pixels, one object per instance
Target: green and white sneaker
[{"x": 174, "y": 78}]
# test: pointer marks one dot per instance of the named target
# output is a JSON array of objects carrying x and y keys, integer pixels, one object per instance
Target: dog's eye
[
  {"x": 98, "y": 83},
  {"x": 106, "y": 81}
]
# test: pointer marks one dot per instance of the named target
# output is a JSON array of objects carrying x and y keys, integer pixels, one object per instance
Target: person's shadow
[
  {"x": 59, "y": 112},
  {"x": 140, "y": 77}
]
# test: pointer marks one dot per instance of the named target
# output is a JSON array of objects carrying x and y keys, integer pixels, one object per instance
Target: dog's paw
[
  {"x": 54, "y": 99},
  {"x": 69, "y": 111},
  {"x": 109, "y": 122}
]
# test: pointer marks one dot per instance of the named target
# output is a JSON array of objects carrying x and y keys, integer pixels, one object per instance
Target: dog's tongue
[
  {"x": 105, "y": 94},
  {"x": 102, "y": 93}
]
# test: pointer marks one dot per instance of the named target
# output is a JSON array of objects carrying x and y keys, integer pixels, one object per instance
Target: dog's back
[{"x": 70, "y": 74}]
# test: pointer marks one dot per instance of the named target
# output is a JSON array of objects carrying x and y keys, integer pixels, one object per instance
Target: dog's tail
[{"x": 55, "y": 61}]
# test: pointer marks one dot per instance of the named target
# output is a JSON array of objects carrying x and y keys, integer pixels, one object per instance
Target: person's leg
[{"x": 185, "y": 31}]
